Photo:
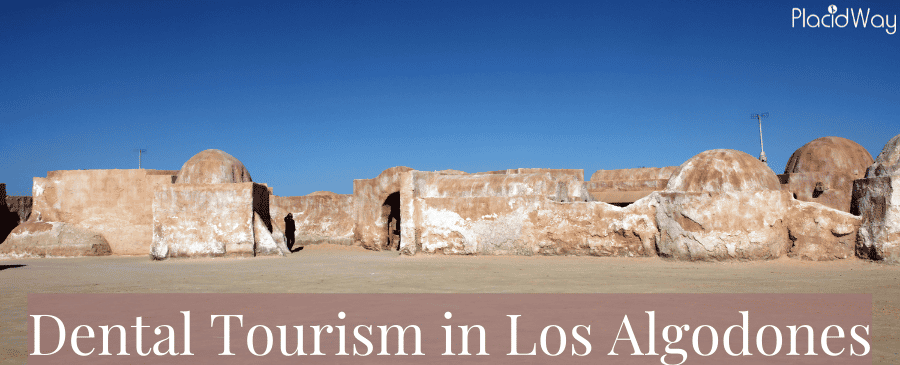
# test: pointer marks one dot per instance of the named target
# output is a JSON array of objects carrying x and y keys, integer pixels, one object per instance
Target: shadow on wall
[
  {"x": 8, "y": 221},
  {"x": 390, "y": 211},
  {"x": 4, "y": 267}
]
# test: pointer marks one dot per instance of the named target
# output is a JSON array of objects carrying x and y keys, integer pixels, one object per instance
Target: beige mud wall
[
  {"x": 197, "y": 220},
  {"x": 117, "y": 204},
  {"x": 878, "y": 201},
  {"x": 517, "y": 214},
  {"x": 368, "y": 197},
  {"x": 624, "y": 186},
  {"x": 320, "y": 218},
  {"x": 834, "y": 190}
]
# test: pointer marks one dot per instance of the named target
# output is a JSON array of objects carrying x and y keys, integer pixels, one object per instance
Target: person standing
[{"x": 289, "y": 230}]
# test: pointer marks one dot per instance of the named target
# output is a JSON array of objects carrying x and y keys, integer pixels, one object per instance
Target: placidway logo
[{"x": 859, "y": 18}]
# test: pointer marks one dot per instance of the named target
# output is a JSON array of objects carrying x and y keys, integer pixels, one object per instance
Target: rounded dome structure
[
  {"x": 213, "y": 167},
  {"x": 717, "y": 171},
  {"x": 888, "y": 161},
  {"x": 830, "y": 154}
]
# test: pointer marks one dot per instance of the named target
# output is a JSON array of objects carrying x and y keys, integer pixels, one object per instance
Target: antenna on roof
[
  {"x": 140, "y": 151},
  {"x": 759, "y": 117}
]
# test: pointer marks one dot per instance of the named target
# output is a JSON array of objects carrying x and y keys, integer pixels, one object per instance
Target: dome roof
[
  {"x": 213, "y": 167},
  {"x": 723, "y": 171},
  {"x": 888, "y": 161},
  {"x": 830, "y": 154}
]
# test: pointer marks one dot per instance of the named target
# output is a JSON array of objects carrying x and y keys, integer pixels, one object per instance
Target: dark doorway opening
[{"x": 390, "y": 210}]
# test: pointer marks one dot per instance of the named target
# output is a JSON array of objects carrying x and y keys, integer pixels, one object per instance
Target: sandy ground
[{"x": 341, "y": 269}]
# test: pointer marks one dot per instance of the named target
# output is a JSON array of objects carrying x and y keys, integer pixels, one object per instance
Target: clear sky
[{"x": 311, "y": 95}]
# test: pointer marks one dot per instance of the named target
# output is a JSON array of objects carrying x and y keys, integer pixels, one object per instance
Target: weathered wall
[
  {"x": 594, "y": 228},
  {"x": 320, "y": 218},
  {"x": 55, "y": 239},
  {"x": 721, "y": 226},
  {"x": 196, "y": 220},
  {"x": 578, "y": 174},
  {"x": 559, "y": 187},
  {"x": 834, "y": 190},
  {"x": 878, "y": 201},
  {"x": 114, "y": 203},
  {"x": 625, "y": 186},
  {"x": 518, "y": 214},
  {"x": 820, "y": 233},
  {"x": 643, "y": 173},
  {"x": 369, "y": 197}
]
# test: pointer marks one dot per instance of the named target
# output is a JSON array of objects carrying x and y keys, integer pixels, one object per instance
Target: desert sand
[{"x": 343, "y": 269}]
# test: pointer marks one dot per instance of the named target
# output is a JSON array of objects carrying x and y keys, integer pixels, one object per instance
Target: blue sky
[{"x": 311, "y": 95}]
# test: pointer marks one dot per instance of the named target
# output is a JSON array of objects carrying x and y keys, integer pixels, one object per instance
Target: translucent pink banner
[{"x": 450, "y": 328}]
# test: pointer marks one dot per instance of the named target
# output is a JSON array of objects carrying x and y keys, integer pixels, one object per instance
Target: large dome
[
  {"x": 830, "y": 154},
  {"x": 888, "y": 161},
  {"x": 213, "y": 167},
  {"x": 718, "y": 171}
]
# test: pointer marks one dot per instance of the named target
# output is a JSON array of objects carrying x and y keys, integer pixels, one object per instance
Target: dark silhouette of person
[{"x": 289, "y": 230}]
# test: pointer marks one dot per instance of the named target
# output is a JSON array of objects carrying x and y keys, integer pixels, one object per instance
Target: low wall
[
  {"x": 643, "y": 173},
  {"x": 559, "y": 187},
  {"x": 320, "y": 218},
  {"x": 626, "y": 186},
  {"x": 517, "y": 214},
  {"x": 114, "y": 203}
]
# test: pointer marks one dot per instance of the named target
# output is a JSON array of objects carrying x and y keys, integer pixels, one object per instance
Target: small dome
[
  {"x": 888, "y": 161},
  {"x": 830, "y": 154},
  {"x": 213, "y": 167},
  {"x": 723, "y": 171}
]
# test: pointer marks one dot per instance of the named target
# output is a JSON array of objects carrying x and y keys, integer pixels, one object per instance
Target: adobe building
[
  {"x": 213, "y": 208},
  {"x": 718, "y": 205},
  {"x": 116, "y": 204},
  {"x": 823, "y": 171}
]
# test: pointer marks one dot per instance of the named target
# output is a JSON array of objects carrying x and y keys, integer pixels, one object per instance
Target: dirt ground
[{"x": 342, "y": 269}]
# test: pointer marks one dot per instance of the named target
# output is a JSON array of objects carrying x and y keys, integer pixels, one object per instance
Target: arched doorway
[{"x": 390, "y": 213}]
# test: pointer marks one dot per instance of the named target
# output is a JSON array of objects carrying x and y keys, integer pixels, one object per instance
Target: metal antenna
[
  {"x": 759, "y": 117},
  {"x": 140, "y": 151}
]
